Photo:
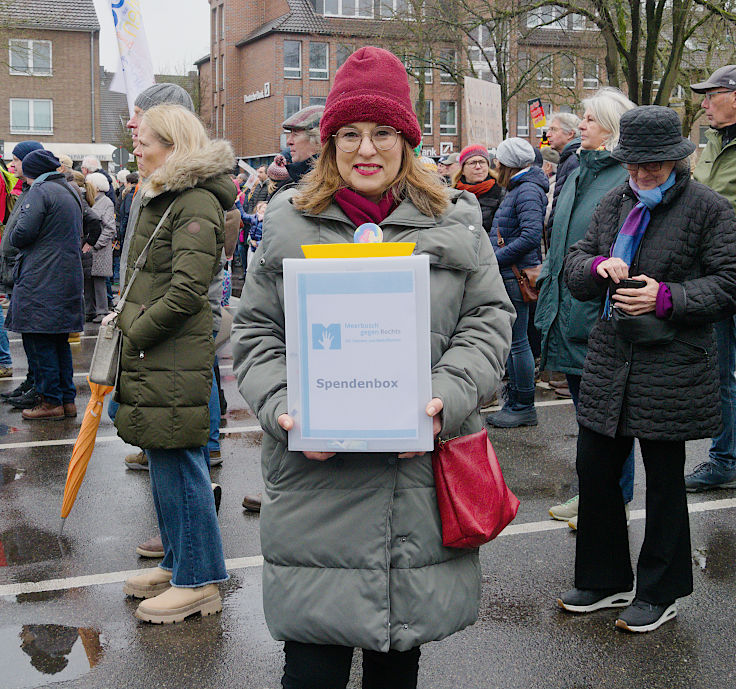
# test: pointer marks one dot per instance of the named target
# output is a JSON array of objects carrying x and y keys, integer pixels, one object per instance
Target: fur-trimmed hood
[{"x": 201, "y": 169}]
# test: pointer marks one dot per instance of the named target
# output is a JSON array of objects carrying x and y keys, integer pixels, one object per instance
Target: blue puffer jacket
[{"x": 520, "y": 219}]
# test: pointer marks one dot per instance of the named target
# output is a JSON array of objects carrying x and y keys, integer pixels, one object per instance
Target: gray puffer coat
[
  {"x": 102, "y": 250},
  {"x": 352, "y": 546},
  {"x": 669, "y": 391}
]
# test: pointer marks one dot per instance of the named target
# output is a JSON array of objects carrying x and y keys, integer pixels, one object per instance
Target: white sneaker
[
  {"x": 573, "y": 523},
  {"x": 566, "y": 510}
]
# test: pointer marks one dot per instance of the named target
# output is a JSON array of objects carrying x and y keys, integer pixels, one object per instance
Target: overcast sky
[{"x": 178, "y": 33}]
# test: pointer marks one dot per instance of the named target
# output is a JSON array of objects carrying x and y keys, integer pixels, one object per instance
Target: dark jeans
[
  {"x": 312, "y": 666},
  {"x": 602, "y": 558},
  {"x": 50, "y": 360}
]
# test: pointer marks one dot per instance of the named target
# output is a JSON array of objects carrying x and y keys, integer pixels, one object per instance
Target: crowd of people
[{"x": 603, "y": 260}]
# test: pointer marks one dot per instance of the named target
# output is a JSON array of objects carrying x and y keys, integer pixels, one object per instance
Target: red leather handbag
[{"x": 474, "y": 502}]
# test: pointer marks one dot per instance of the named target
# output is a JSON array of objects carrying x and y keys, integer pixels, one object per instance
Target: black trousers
[
  {"x": 602, "y": 559},
  {"x": 312, "y": 666}
]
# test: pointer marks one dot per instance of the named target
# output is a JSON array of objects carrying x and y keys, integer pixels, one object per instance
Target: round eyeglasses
[{"x": 383, "y": 139}]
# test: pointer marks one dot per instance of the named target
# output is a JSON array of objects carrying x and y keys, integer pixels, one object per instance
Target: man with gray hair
[
  {"x": 564, "y": 137},
  {"x": 302, "y": 130}
]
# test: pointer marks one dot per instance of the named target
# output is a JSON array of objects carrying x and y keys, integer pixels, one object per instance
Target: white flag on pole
[{"x": 135, "y": 72}]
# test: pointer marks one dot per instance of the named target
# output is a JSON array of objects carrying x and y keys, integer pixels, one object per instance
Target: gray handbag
[{"x": 105, "y": 364}]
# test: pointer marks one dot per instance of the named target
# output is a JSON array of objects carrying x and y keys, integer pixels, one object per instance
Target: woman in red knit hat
[
  {"x": 476, "y": 176},
  {"x": 352, "y": 542}
]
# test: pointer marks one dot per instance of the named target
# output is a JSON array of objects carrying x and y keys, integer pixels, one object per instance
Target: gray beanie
[
  {"x": 515, "y": 153},
  {"x": 164, "y": 94}
]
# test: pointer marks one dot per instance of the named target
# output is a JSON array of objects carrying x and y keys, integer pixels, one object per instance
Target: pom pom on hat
[
  {"x": 278, "y": 173},
  {"x": 371, "y": 86}
]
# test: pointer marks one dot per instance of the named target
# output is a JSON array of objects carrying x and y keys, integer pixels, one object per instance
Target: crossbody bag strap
[
  {"x": 141, "y": 261},
  {"x": 501, "y": 241}
]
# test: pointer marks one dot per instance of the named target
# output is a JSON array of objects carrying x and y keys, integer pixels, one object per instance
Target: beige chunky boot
[
  {"x": 176, "y": 604},
  {"x": 149, "y": 584}
]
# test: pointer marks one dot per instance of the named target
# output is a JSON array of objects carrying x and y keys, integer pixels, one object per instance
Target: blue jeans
[
  {"x": 5, "y": 358},
  {"x": 520, "y": 364},
  {"x": 627, "y": 473},
  {"x": 723, "y": 448},
  {"x": 185, "y": 507},
  {"x": 213, "y": 444},
  {"x": 116, "y": 268},
  {"x": 52, "y": 367}
]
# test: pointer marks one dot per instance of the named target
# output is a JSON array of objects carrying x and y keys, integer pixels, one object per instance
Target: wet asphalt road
[{"x": 85, "y": 636}]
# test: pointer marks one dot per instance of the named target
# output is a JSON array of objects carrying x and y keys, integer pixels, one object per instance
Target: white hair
[
  {"x": 607, "y": 106},
  {"x": 569, "y": 123},
  {"x": 91, "y": 163},
  {"x": 98, "y": 181},
  {"x": 122, "y": 176}
]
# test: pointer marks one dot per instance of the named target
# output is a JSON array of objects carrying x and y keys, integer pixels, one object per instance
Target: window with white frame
[
  {"x": 214, "y": 25},
  {"x": 544, "y": 71},
  {"x": 428, "y": 112},
  {"x": 215, "y": 67},
  {"x": 448, "y": 68},
  {"x": 342, "y": 53},
  {"x": 292, "y": 105},
  {"x": 448, "y": 117},
  {"x": 29, "y": 116},
  {"x": 349, "y": 8},
  {"x": 522, "y": 120},
  {"x": 590, "y": 73},
  {"x": 292, "y": 59},
  {"x": 547, "y": 17},
  {"x": 482, "y": 53},
  {"x": 579, "y": 22},
  {"x": 319, "y": 60},
  {"x": 414, "y": 66},
  {"x": 30, "y": 58},
  {"x": 567, "y": 70},
  {"x": 394, "y": 8},
  {"x": 222, "y": 26}
]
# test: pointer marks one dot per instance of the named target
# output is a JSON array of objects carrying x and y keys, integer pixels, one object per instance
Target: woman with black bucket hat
[{"x": 660, "y": 257}]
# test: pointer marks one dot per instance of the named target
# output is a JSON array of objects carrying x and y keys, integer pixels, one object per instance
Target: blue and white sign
[{"x": 358, "y": 354}]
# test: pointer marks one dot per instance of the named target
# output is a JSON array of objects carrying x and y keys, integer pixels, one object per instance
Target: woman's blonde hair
[
  {"x": 414, "y": 181},
  {"x": 89, "y": 191},
  {"x": 607, "y": 105},
  {"x": 179, "y": 129}
]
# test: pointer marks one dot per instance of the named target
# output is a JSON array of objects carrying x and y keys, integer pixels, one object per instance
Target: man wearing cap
[
  {"x": 452, "y": 164},
  {"x": 47, "y": 232},
  {"x": 25, "y": 393},
  {"x": 717, "y": 169},
  {"x": 302, "y": 138}
]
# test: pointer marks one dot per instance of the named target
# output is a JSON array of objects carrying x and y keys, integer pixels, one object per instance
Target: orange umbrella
[{"x": 83, "y": 447}]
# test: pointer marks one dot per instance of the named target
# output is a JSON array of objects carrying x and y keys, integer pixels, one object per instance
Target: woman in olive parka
[{"x": 168, "y": 352}]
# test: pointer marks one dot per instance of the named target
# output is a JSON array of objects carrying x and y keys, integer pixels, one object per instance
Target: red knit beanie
[
  {"x": 371, "y": 86},
  {"x": 472, "y": 151}
]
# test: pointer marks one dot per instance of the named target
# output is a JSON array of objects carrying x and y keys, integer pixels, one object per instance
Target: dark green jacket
[
  {"x": 563, "y": 321},
  {"x": 168, "y": 352}
]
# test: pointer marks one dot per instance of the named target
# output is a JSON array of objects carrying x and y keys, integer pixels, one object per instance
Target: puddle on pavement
[
  {"x": 9, "y": 474},
  {"x": 35, "y": 655},
  {"x": 239, "y": 415},
  {"x": 7, "y": 430},
  {"x": 24, "y": 545},
  {"x": 716, "y": 558}
]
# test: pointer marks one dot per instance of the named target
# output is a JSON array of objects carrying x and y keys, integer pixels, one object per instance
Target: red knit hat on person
[
  {"x": 371, "y": 86},
  {"x": 472, "y": 151}
]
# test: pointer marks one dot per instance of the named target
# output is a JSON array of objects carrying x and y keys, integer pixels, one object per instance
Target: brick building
[
  {"x": 270, "y": 58},
  {"x": 50, "y": 84}
]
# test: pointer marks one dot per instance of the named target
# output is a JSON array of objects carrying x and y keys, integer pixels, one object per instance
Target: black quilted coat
[{"x": 670, "y": 391}]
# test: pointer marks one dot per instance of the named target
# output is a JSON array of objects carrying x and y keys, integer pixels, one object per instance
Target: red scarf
[
  {"x": 478, "y": 189},
  {"x": 362, "y": 210}
]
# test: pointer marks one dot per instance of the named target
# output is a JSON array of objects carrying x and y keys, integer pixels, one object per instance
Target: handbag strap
[
  {"x": 501, "y": 241},
  {"x": 141, "y": 261}
]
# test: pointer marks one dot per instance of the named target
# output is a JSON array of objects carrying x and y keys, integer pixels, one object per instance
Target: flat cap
[{"x": 306, "y": 118}]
